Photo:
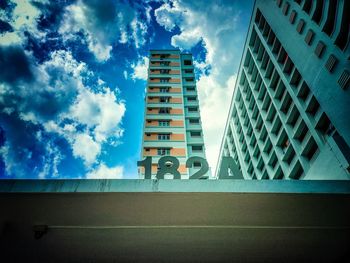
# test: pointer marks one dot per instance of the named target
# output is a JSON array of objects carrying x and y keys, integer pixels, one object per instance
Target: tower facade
[
  {"x": 289, "y": 115},
  {"x": 172, "y": 125}
]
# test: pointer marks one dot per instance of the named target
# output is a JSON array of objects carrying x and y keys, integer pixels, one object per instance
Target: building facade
[
  {"x": 172, "y": 125},
  {"x": 290, "y": 112}
]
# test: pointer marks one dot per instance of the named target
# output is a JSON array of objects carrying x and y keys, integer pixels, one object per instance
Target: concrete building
[
  {"x": 289, "y": 115},
  {"x": 172, "y": 125}
]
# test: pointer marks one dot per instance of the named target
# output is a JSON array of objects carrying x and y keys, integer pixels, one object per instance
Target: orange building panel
[
  {"x": 177, "y": 123},
  {"x": 152, "y": 137},
  {"x": 178, "y": 152},
  {"x": 175, "y": 90},
  {"x": 176, "y": 100},
  {"x": 177, "y": 137},
  {"x": 182, "y": 169},
  {"x": 173, "y": 137},
  {"x": 174, "y": 80},
  {"x": 176, "y": 111},
  {"x": 174, "y": 72},
  {"x": 153, "y": 90},
  {"x": 150, "y": 152},
  {"x": 174, "y": 64},
  {"x": 153, "y": 99}
]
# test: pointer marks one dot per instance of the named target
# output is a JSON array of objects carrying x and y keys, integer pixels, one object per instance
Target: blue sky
[{"x": 73, "y": 77}]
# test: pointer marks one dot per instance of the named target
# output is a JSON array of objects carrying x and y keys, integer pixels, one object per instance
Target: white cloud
[
  {"x": 100, "y": 112},
  {"x": 22, "y": 19},
  {"x": 86, "y": 148},
  {"x": 57, "y": 102},
  {"x": 125, "y": 74},
  {"x": 214, "y": 105},
  {"x": 104, "y": 172},
  {"x": 168, "y": 17},
  {"x": 216, "y": 26},
  {"x": 140, "y": 69},
  {"x": 10, "y": 38},
  {"x": 187, "y": 39},
  {"x": 104, "y": 24}
]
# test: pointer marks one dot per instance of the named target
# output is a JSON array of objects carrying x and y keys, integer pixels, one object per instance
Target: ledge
[{"x": 189, "y": 186}]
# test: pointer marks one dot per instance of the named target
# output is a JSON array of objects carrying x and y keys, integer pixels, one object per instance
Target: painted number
[
  {"x": 228, "y": 163},
  {"x": 201, "y": 172},
  {"x": 147, "y": 164},
  {"x": 170, "y": 165}
]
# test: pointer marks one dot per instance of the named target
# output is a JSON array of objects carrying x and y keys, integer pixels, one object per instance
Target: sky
[{"x": 73, "y": 78}]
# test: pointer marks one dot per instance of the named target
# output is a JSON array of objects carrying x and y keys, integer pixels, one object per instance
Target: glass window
[
  {"x": 190, "y": 88},
  {"x": 164, "y": 110},
  {"x": 197, "y": 148},
  {"x": 194, "y": 121},
  {"x": 195, "y": 133},
  {"x": 164, "y": 123},
  {"x": 163, "y": 151},
  {"x": 164, "y": 90},
  {"x": 164, "y": 99},
  {"x": 164, "y": 137}
]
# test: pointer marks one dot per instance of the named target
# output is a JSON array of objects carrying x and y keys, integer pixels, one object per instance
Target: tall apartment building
[
  {"x": 290, "y": 111},
  {"x": 172, "y": 125}
]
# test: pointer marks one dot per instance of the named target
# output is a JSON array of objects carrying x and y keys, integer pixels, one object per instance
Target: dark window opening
[
  {"x": 197, "y": 148},
  {"x": 331, "y": 17}
]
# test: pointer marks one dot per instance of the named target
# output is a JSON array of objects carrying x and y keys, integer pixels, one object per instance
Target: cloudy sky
[{"x": 73, "y": 77}]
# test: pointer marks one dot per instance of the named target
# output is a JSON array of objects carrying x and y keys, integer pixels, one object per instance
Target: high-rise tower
[
  {"x": 290, "y": 112},
  {"x": 172, "y": 125}
]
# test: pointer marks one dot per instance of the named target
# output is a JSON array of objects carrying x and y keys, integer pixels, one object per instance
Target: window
[
  {"x": 163, "y": 151},
  {"x": 192, "y": 109},
  {"x": 344, "y": 80},
  {"x": 319, "y": 49},
  {"x": 331, "y": 63},
  {"x": 164, "y": 56},
  {"x": 164, "y": 99},
  {"x": 164, "y": 71},
  {"x": 292, "y": 17},
  {"x": 149, "y": 121},
  {"x": 195, "y": 133},
  {"x": 163, "y": 80},
  {"x": 164, "y": 123},
  {"x": 188, "y": 70},
  {"x": 197, "y": 148},
  {"x": 164, "y": 90},
  {"x": 309, "y": 37},
  {"x": 164, "y": 63},
  {"x": 187, "y": 62},
  {"x": 164, "y": 137},
  {"x": 147, "y": 149},
  {"x": 191, "y": 98},
  {"x": 189, "y": 79},
  {"x": 190, "y": 89},
  {"x": 285, "y": 8},
  {"x": 194, "y": 121},
  {"x": 148, "y": 134},
  {"x": 300, "y": 26},
  {"x": 197, "y": 165},
  {"x": 164, "y": 110}
]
